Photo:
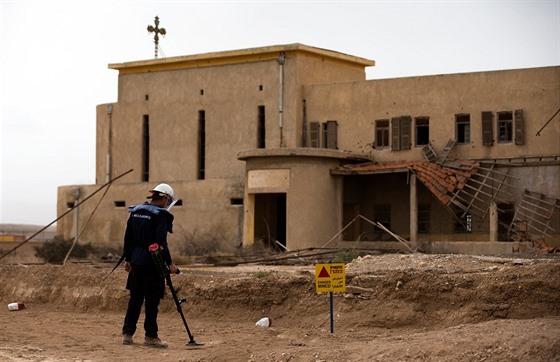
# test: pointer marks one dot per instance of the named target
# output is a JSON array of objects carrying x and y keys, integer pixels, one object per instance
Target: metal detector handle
[{"x": 155, "y": 251}]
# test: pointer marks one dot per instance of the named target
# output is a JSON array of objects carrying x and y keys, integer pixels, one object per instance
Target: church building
[{"x": 292, "y": 147}]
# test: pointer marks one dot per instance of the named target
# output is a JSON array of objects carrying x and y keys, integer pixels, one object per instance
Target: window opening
[
  {"x": 382, "y": 133},
  {"x": 146, "y": 148},
  {"x": 505, "y": 127},
  {"x": 201, "y": 144},
  {"x": 236, "y": 201},
  {"x": 422, "y": 136},
  {"x": 261, "y": 137},
  {"x": 463, "y": 222},
  {"x": 330, "y": 135},
  {"x": 463, "y": 129},
  {"x": 119, "y": 204}
]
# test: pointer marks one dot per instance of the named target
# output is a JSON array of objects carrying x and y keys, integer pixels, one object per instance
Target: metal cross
[{"x": 157, "y": 31}]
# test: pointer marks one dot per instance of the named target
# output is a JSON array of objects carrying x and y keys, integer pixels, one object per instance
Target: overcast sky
[{"x": 54, "y": 58}]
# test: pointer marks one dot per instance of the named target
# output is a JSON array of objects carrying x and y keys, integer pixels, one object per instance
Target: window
[
  {"x": 400, "y": 133},
  {"x": 236, "y": 201},
  {"x": 382, "y": 133},
  {"x": 330, "y": 135},
  {"x": 146, "y": 148},
  {"x": 424, "y": 218},
  {"x": 119, "y": 203},
  {"x": 261, "y": 136},
  {"x": 506, "y": 213},
  {"x": 422, "y": 136},
  {"x": 505, "y": 127},
  {"x": 201, "y": 144},
  {"x": 463, "y": 221},
  {"x": 463, "y": 128}
]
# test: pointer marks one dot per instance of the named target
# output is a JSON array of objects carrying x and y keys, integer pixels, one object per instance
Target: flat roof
[{"x": 236, "y": 56}]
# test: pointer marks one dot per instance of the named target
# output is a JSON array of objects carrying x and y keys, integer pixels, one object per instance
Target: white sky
[{"x": 54, "y": 57}]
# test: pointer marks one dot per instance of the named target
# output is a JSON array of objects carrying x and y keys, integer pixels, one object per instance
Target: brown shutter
[
  {"x": 331, "y": 135},
  {"x": 487, "y": 127},
  {"x": 314, "y": 134},
  {"x": 519, "y": 140},
  {"x": 395, "y": 133},
  {"x": 405, "y": 132}
]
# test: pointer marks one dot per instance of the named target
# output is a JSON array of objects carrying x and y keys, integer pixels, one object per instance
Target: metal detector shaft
[
  {"x": 163, "y": 270},
  {"x": 178, "y": 304}
]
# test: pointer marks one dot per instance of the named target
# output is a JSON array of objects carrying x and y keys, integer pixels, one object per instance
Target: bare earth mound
[{"x": 397, "y": 307}]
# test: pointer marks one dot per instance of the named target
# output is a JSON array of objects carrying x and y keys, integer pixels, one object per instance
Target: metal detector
[{"x": 164, "y": 272}]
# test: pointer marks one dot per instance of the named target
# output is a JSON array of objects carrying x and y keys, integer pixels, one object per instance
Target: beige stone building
[{"x": 292, "y": 146}]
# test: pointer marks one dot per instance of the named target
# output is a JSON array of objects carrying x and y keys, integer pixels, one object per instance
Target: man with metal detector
[{"x": 147, "y": 224}]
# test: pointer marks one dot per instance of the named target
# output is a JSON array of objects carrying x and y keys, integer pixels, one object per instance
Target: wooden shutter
[
  {"x": 395, "y": 133},
  {"x": 406, "y": 121},
  {"x": 519, "y": 123},
  {"x": 487, "y": 127},
  {"x": 314, "y": 134},
  {"x": 331, "y": 135}
]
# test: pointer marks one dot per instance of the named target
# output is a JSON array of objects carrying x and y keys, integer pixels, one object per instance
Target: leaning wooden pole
[{"x": 66, "y": 213}]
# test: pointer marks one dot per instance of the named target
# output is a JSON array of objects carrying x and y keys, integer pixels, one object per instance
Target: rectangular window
[
  {"x": 463, "y": 128},
  {"x": 506, "y": 213},
  {"x": 463, "y": 221},
  {"x": 487, "y": 128},
  {"x": 422, "y": 128},
  {"x": 314, "y": 134},
  {"x": 146, "y": 148},
  {"x": 261, "y": 137},
  {"x": 201, "y": 144},
  {"x": 505, "y": 127},
  {"x": 424, "y": 218},
  {"x": 382, "y": 133},
  {"x": 330, "y": 135}
]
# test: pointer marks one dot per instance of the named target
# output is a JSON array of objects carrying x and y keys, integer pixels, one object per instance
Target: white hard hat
[{"x": 164, "y": 190}]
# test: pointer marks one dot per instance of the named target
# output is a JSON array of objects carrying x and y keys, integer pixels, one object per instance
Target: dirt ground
[{"x": 396, "y": 308}]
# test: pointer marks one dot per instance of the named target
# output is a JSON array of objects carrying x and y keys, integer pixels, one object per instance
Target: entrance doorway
[{"x": 270, "y": 219}]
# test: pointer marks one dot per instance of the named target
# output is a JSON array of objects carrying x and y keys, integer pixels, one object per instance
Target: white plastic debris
[
  {"x": 264, "y": 322},
  {"x": 16, "y": 306}
]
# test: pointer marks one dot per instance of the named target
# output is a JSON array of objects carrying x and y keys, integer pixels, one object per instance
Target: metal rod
[
  {"x": 546, "y": 124},
  {"x": 66, "y": 213}
]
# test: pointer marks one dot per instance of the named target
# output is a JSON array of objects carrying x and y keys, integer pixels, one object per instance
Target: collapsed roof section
[{"x": 444, "y": 181}]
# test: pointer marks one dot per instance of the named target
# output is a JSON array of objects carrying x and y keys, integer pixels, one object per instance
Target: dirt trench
[{"x": 413, "y": 298}]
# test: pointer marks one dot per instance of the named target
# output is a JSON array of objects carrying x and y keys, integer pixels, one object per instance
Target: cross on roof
[{"x": 157, "y": 30}]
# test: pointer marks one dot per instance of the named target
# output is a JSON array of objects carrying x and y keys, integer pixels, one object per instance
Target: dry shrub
[{"x": 196, "y": 243}]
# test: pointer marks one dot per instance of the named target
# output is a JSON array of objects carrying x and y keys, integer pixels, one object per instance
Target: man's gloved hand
[{"x": 173, "y": 269}]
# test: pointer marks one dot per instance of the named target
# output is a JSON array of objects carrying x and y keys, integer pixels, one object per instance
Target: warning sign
[{"x": 330, "y": 278}]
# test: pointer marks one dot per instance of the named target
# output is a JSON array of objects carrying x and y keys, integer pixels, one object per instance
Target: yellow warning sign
[{"x": 330, "y": 278}]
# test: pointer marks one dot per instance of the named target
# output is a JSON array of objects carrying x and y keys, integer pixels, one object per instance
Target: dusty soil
[{"x": 396, "y": 308}]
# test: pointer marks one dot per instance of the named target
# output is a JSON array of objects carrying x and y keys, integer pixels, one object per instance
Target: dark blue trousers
[{"x": 146, "y": 287}]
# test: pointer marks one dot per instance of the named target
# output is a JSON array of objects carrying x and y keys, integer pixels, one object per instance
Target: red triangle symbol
[{"x": 324, "y": 273}]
